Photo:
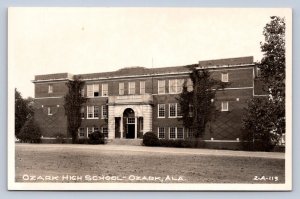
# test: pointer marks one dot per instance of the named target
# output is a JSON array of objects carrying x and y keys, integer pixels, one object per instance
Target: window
[
  {"x": 224, "y": 77},
  {"x": 180, "y": 83},
  {"x": 172, "y": 86},
  {"x": 81, "y": 132},
  {"x": 161, "y": 110},
  {"x": 121, "y": 88},
  {"x": 93, "y": 90},
  {"x": 131, "y": 120},
  {"x": 191, "y": 110},
  {"x": 82, "y": 112},
  {"x": 104, "y": 112},
  {"x": 224, "y": 106},
  {"x": 50, "y": 88},
  {"x": 104, "y": 90},
  {"x": 95, "y": 129},
  {"x": 258, "y": 72},
  {"x": 82, "y": 92},
  {"x": 189, "y": 85},
  {"x": 180, "y": 133},
  {"x": 49, "y": 111},
  {"x": 131, "y": 88},
  {"x": 105, "y": 131},
  {"x": 179, "y": 113},
  {"x": 175, "y": 85},
  {"x": 96, "y": 111},
  {"x": 161, "y": 132},
  {"x": 89, "y": 131},
  {"x": 93, "y": 112},
  {"x": 161, "y": 86},
  {"x": 190, "y": 133},
  {"x": 172, "y": 133},
  {"x": 172, "y": 110},
  {"x": 142, "y": 87}
]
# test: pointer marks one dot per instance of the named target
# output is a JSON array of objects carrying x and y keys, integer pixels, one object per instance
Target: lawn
[{"x": 85, "y": 163}]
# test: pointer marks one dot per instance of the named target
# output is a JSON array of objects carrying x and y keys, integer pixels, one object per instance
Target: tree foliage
[
  {"x": 30, "y": 132},
  {"x": 23, "y": 111},
  {"x": 73, "y": 103},
  {"x": 196, "y": 105},
  {"x": 265, "y": 118}
]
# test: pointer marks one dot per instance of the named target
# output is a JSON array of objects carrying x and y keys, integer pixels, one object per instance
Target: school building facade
[{"x": 127, "y": 103}]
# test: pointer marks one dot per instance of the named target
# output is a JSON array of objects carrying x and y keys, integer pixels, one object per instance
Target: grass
[{"x": 40, "y": 161}]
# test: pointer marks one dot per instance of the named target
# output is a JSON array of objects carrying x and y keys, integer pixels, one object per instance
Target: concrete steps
[{"x": 132, "y": 142}]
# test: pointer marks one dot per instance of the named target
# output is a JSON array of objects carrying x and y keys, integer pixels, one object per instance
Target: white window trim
[
  {"x": 102, "y": 93},
  {"x": 170, "y": 111},
  {"x": 50, "y": 88},
  {"x": 49, "y": 111},
  {"x": 223, "y": 75},
  {"x": 93, "y": 111},
  {"x": 164, "y": 111},
  {"x": 164, "y": 132},
  {"x": 161, "y": 93},
  {"x": 222, "y": 106},
  {"x": 142, "y": 82}
]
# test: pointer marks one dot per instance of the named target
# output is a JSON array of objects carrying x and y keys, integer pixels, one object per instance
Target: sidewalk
[{"x": 209, "y": 152}]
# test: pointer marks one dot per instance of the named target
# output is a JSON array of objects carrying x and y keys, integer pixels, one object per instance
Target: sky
[{"x": 90, "y": 40}]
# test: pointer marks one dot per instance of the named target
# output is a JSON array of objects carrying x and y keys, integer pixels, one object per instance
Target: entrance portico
[{"x": 129, "y": 117}]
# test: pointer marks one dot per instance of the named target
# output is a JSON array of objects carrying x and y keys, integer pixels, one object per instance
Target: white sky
[{"x": 88, "y": 40}]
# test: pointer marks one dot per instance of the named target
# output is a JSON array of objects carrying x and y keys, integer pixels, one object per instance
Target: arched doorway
[{"x": 129, "y": 122}]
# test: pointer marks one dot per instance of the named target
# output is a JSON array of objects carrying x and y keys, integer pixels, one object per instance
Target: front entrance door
[
  {"x": 130, "y": 133},
  {"x": 129, "y": 123}
]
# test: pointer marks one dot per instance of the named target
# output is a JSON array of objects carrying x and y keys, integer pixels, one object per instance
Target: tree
[
  {"x": 273, "y": 69},
  {"x": 267, "y": 116},
  {"x": 23, "y": 111},
  {"x": 30, "y": 132},
  {"x": 73, "y": 103},
  {"x": 196, "y": 105}
]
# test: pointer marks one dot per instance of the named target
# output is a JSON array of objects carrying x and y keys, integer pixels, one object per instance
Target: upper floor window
[
  {"x": 50, "y": 88},
  {"x": 93, "y": 112},
  {"x": 172, "y": 110},
  {"x": 161, "y": 110},
  {"x": 161, "y": 87},
  {"x": 82, "y": 112},
  {"x": 179, "y": 112},
  {"x": 224, "y": 106},
  {"x": 82, "y": 92},
  {"x": 224, "y": 77},
  {"x": 92, "y": 90},
  {"x": 104, "y": 112},
  {"x": 142, "y": 87},
  {"x": 175, "y": 85},
  {"x": 131, "y": 88},
  {"x": 104, "y": 90},
  {"x": 189, "y": 85},
  {"x": 121, "y": 88},
  {"x": 258, "y": 72}
]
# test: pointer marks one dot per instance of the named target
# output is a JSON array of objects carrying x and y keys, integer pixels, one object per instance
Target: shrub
[
  {"x": 83, "y": 141},
  {"x": 30, "y": 132},
  {"x": 96, "y": 138},
  {"x": 150, "y": 139}
]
